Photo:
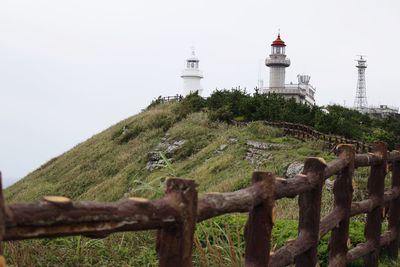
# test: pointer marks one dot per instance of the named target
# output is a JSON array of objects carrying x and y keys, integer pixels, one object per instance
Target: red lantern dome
[{"x": 278, "y": 41}]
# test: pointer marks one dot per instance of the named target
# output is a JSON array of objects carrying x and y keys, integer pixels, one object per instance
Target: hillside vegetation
[
  {"x": 238, "y": 105},
  {"x": 190, "y": 139},
  {"x": 112, "y": 164}
]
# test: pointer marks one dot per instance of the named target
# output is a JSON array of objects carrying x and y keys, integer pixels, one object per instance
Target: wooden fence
[
  {"x": 166, "y": 99},
  {"x": 176, "y": 214},
  {"x": 304, "y": 132}
]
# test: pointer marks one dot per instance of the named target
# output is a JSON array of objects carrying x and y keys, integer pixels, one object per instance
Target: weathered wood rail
[
  {"x": 176, "y": 214},
  {"x": 304, "y": 132},
  {"x": 165, "y": 99}
]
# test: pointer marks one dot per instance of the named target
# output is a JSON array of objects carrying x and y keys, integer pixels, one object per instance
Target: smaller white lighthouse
[{"x": 192, "y": 75}]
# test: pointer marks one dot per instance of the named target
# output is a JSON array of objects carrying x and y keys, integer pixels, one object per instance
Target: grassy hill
[
  {"x": 112, "y": 164},
  {"x": 133, "y": 158}
]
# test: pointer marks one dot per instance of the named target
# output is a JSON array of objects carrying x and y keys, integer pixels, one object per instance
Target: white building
[
  {"x": 302, "y": 92},
  {"x": 381, "y": 111},
  {"x": 192, "y": 75}
]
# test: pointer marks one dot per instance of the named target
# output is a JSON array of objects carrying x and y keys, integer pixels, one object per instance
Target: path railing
[
  {"x": 304, "y": 132},
  {"x": 166, "y": 99},
  {"x": 176, "y": 214}
]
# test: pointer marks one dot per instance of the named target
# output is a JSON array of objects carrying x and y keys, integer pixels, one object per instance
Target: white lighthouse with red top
[
  {"x": 277, "y": 63},
  {"x": 302, "y": 92}
]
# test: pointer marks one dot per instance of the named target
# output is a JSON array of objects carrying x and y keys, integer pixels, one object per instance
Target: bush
[
  {"x": 189, "y": 148},
  {"x": 238, "y": 105},
  {"x": 190, "y": 104},
  {"x": 222, "y": 114},
  {"x": 161, "y": 121},
  {"x": 379, "y": 134},
  {"x": 129, "y": 134}
]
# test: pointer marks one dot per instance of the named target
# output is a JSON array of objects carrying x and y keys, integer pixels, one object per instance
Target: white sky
[{"x": 69, "y": 69}]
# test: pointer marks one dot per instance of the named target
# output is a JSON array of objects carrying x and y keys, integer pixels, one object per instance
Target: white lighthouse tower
[
  {"x": 192, "y": 75},
  {"x": 302, "y": 92},
  {"x": 277, "y": 62}
]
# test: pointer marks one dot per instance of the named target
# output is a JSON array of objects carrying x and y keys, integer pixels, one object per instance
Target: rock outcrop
[
  {"x": 294, "y": 168},
  {"x": 166, "y": 148},
  {"x": 258, "y": 152}
]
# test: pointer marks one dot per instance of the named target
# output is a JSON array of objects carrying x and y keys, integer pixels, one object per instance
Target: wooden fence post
[
  {"x": 2, "y": 223},
  {"x": 175, "y": 243},
  {"x": 303, "y": 133},
  {"x": 394, "y": 211},
  {"x": 375, "y": 187},
  {"x": 343, "y": 193},
  {"x": 310, "y": 211},
  {"x": 259, "y": 224}
]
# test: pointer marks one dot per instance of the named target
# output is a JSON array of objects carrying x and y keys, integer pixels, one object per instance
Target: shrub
[
  {"x": 223, "y": 114},
  {"x": 190, "y": 104},
  {"x": 237, "y": 104},
  {"x": 161, "y": 121},
  {"x": 379, "y": 134},
  {"x": 130, "y": 133},
  {"x": 189, "y": 148}
]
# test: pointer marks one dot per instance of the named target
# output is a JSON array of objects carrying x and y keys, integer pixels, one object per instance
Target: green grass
[{"x": 111, "y": 165}]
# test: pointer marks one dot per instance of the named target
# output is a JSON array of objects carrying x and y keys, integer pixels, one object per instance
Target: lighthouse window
[
  {"x": 192, "y": 65},
  {"x": 188, "y": 65}
]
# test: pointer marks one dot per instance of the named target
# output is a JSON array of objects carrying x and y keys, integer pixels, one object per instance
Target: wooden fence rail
[
  {"x": 175, "y": 215},
  {"x": 165, "y": 99},
  {"x": 304, "y": 132}
]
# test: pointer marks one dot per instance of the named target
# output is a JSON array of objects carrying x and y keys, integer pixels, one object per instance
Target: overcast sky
[{"x": 69, "y": 69}]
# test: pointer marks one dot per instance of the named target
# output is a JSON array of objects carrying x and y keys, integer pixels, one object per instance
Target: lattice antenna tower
[{"x": 360, "y": 102}]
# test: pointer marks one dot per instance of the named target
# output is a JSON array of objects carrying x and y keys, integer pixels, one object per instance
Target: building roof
[{"x": 278, "y": 41}]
